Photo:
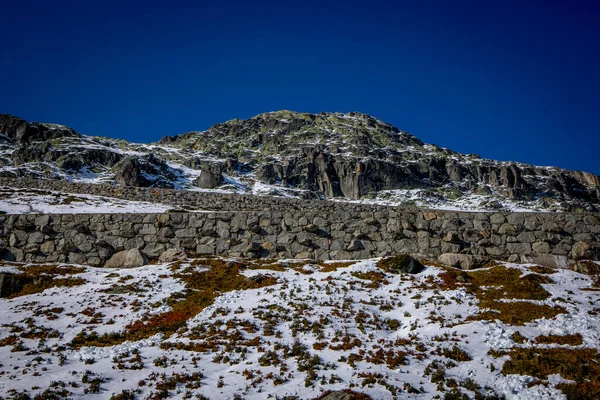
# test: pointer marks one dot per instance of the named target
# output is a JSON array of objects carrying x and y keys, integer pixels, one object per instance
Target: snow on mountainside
[
  {"x": 338, "y": 156},
  {"x": 229, "y": 329}
]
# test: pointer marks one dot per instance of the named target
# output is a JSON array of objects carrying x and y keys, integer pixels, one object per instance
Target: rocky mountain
[{"x": 352, "y": 157}]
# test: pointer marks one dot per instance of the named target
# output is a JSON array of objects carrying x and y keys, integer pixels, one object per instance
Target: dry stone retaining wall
[{"x": 463, "y": 237}]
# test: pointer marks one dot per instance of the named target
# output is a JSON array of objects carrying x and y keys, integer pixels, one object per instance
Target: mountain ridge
[{"x": 351, "y": 156}]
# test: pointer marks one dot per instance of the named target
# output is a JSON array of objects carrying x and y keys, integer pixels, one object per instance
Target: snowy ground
[
  {"x": 316, "y": 329},
  {"x": 32, "y": 201},
  {"x": 465, "y": 202}
]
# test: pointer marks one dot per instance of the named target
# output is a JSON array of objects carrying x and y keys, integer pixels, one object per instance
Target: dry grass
[
  {"x": 493, "y": 285},
  {"x": 42, "y": 277},
  {"x": 43, "y": 284},
  {"x": 376, "y": 278},
  {"x": 201, "y": 290},
  {"x": 517, "y": 312},
  {"x": 572, "y": 340},
  {"x": 508, "y": 283},
  {"x": 580, "y": 391},
  {"x": 297, "y": 266},
  {"x": 331, "y": 267},
  {"x": 519, "y": 338},
  {"x": 36, "y": 271},
  {"x": 579, "y": 365},
  {"x": 538, "y": 269}
]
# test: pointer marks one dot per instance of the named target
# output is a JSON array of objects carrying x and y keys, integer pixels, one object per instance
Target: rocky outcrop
[
  {"x": 211, "y": 175},
  {"x": 129, "y": 173},
  {"x": 22, "y": 132},
  {"x": 11, "y": 126},
  {"x": 325, "y": 155},
  {"x": 146, "y": 171}
]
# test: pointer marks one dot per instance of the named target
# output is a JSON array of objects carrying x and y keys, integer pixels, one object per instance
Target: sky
[{"x": 508, "y": 80}]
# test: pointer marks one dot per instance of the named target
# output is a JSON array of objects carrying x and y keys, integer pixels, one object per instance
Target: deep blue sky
[{"x": 503, "y": 79}]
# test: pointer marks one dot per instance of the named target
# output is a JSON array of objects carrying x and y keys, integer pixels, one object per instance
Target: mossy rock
[{"x": 400, "y": 264}]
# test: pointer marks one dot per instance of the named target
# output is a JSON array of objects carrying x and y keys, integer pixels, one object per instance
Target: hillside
[
  {"x": 335, "y": 156},
  {"x": 230, "y": 329}
]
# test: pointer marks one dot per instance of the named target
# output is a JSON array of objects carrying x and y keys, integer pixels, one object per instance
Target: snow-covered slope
[
  {"x": 226, "y": 329},
  {"x": 32, "y": 201},
  {"x": 339, "y": 156}
]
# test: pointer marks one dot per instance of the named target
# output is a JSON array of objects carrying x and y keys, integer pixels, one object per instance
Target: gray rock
[
  {"x": 18, "y": 238},
  {"x": 581, "y": 250},
  {"x": 355, "y": 245},
  {"x": 254, "y": 247},
  {"x": 153, "y": 250},
  {"x": 77, "y": 258},
  {"x": 541, "y": 248},
  {"x": 452, "y": 237},
  {"x": 519, "y": 248},
  {"x": 205, "y": 249},
  {"x": 547, "y": 260},
  {"x": 401, "y": 264},
  {"x": 311, "y": 228},
  {"x": 507, "y": 229},
  {"x": 172, "y": 254},
  {"x": 463, "y": 261},
  {"x": 126, "y": 259},
  {"x": 338, "y": 395},
  {"x": 526, "y": 237},
  {"x": 47, "y": 247},
  {"x": 211, "y": 175}
]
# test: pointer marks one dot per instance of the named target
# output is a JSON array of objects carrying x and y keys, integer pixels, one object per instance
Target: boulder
[
  {"x": 146, "y": 171},
  {"x": 126, "y": 259},
  {"x": 547, "y": 260},
  {"x": 129, "y": 173},
  {"x": 402, "y": 263},
  {"x": 153, "y": 250},
  {"x": 355, "y": 245},
  {"x": 342, "y": 395},
  {"x": 462, "y": 261},
  {"x": 211, "y": 175},
  {"x": 172, "y": 254}
]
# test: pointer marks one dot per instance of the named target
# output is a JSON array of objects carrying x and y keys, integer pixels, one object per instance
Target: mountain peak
[{"x": 351, "y": 156}]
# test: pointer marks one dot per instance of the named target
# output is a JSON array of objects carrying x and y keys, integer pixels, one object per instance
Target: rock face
[
  {"x": 126, "y": 259},
  {"x": 146, "y": 171},
  {"x": 18, "y": 130},
  {"x": 129, "y": 173},
  {"x": 327, "y": 155},
  {"x": 211, "y": 175}
]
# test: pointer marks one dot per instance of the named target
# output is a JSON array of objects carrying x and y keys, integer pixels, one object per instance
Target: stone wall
[{"x": 334, "y": 232}]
